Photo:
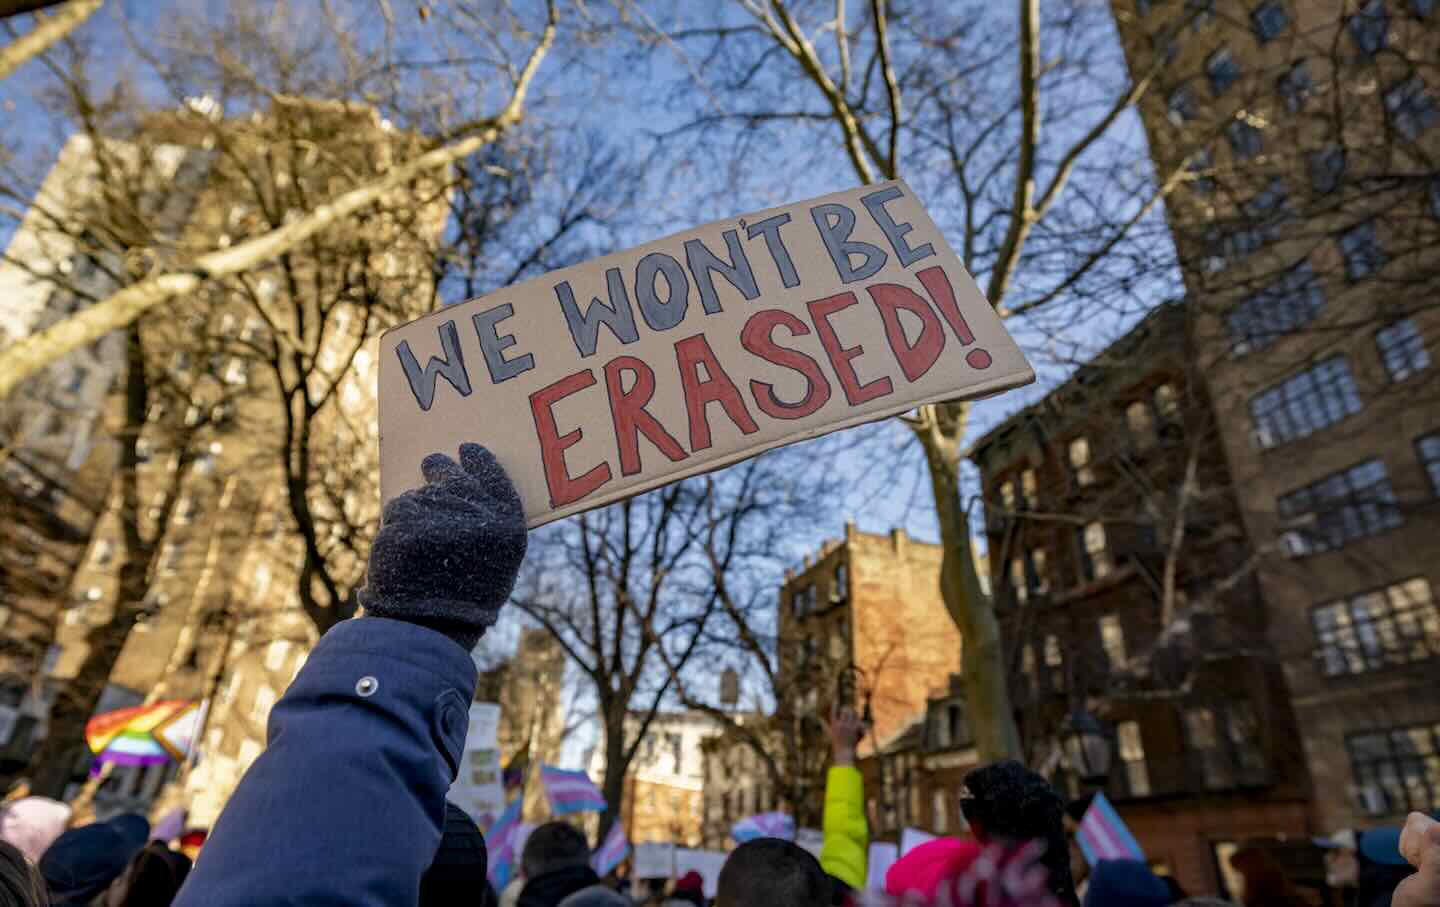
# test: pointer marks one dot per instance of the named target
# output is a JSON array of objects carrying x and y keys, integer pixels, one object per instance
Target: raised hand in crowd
[{"x": 1420, "y": 844}]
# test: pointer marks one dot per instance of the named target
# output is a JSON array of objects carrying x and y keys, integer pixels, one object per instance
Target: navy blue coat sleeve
[{"x": 347, "y": 803}]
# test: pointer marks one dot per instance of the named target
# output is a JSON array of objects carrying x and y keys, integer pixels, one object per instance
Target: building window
[
  {"x": 1181, "y": 105},
  {"x": 1327, "y": 169},
  {"x": 1370, "y": 27},
  {"x": 1095, "y": 562},
  {"x": 260, "y": 708},
  {"x": 1132, "y": 756},
  {"x": 1422, "y": 9},
  {"x": 1007, "y": 495},
  {"x": 1270, "y": 20},
  {"x": 840, "y": 583},
  {"x": 940, "y": 820},
  {"x": 1017, "y": 580},
  {"x": 1029, "y": 490},
  {"x": 1245, "y": 140},
  {"x": 1112, "y": 640},
  {"x": 957, "y": 723},
  {"x": 186, "y": 510},
  {"x": 1027, "y": 575},
  {"x": 1360, "y": 247},
  {"x": 1261, "y": 218},
  {"x": 1412, "y": 110},
  {"x": 1402, "y": 349},
  {"x": 1141, "y": 421},
  {"x": 1392, "y": 626},
  {"x": 1287, "y": 304},
  {"x": 1398, "y": 769},
  {"x": 1200, "y": 166},
  {"x": 942, "y": 732},
  {"x": 104, "y": 553},
  {"x": 1222, "y": 71},
  {"x": 802, "y": 600},
  {"x": 277, "y": 653},
  {"x": 1200, "y": 12},
  {"x": 1304, "y": 403},
  {"x": 1224, "y": 745},
  {"x": 1352, "y": 504},
  {"x": 1428, "y": 449},
  {"x": 1054, "y": 662},
  {"x": 1080, "y": 467}
]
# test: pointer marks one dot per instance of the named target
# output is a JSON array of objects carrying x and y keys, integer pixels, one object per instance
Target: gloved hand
[{"x": 448, "y": 552}]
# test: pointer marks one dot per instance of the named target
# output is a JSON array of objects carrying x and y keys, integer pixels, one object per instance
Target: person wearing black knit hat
[
  {"x": 460, "y": 865},
  {"x": 84, "y": 861}
]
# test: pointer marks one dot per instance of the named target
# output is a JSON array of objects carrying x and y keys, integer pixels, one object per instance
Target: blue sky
[{"x": 626, "y": 104}]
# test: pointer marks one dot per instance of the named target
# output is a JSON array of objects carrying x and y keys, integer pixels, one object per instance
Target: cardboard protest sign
[
  {"x": 653, "y": 861},
  {"x": 612, "y": 377},
  {"x": 881, "y": 857},
  {"x": 478, "y": 788},
  {"x": 812, "y": 839}
]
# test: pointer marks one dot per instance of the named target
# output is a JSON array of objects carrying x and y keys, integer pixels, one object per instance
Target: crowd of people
[{"x": 347, "y": 805}]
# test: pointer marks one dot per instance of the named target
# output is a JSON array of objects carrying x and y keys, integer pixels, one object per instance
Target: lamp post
[{"x": 1088, "y": 744}]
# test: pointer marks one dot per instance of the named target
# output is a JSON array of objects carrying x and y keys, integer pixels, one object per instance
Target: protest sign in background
[
  {"x": 653, "y": 861},
  {"x": 478, "y": 788},
  {"x": 615, "y": 376}
]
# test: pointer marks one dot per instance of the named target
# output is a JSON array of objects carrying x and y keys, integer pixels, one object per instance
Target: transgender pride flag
[
  {"x": 570, "y": 792},
  {"x": 765, "y": 825},
  {"x": 500, "y": 841},
  {"x": 1103, "y": 835},
  {"x": 608, "y": 855}
]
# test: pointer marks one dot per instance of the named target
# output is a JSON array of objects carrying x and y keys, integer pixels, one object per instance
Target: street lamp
[{"x": 1088, "y": 747}]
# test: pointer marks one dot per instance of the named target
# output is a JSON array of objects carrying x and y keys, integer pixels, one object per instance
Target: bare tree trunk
[
  {"x": 77, "y": 698},
  {"x": 982, "y": 656}
]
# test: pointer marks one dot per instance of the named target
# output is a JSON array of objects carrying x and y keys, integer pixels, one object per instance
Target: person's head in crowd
[
  {"x": 1266, "y": 884},
  {"x": 192, "y": 840},
  {"x": 689, "y": 889},
  {"x": 460, "y": 865},
  {"x": 82, "y": 862},
  {"x": 1005, "y": 801},
  {"x": 20, "y": 882},
  {"x": 925, "y": 868},
  {"x": 1126, "y": 883},
  {"x": 554, "y": 847},
  {"x": 772, "y": 871},
  {"x": 152, "y": 879},
  {"x": 32, "y": 824}
]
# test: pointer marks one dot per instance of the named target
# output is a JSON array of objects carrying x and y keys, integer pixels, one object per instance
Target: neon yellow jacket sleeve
[{"x": 847, "y": 837}]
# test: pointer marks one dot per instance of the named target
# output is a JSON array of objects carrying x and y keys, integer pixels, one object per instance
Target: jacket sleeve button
[{"x": 366, "y": 686}]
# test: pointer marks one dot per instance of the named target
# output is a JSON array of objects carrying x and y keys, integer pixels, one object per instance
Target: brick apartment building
[
  {"x": 221, "y": 620},
  {"x": 862, "y": 618},
  {"x": 1307, "y": 241},
  {"x": 1123, "y": 579}
]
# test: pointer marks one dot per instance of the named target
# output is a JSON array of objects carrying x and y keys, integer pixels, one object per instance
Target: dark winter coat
[{"x": 347, "y": 804}]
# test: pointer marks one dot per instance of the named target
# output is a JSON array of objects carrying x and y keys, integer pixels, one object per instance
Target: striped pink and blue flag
[
  {"x": 765, "y": 825},
  {"x": 608, "y": 855},
  {"x": 570, "y": 792},
  {"x": 500, "y": 842},
  {"x": 1103, "y": 835}
]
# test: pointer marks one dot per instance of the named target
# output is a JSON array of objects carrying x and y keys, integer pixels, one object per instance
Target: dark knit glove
[{"x": 447, "y": 552}]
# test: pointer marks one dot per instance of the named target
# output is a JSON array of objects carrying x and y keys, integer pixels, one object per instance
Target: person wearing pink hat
[
  {"x": 32, "y": 824},
  {"x": 925, "y": 868}
]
